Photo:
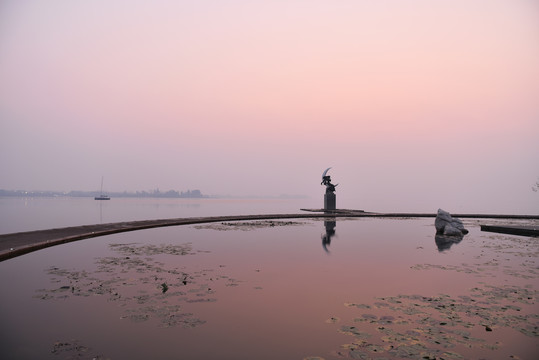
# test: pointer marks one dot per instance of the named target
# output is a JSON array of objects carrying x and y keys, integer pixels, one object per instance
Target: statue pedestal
[{"x": 330, "y": 201}]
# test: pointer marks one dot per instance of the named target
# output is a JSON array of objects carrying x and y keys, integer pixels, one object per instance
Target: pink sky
[{"x": 416, "y": 104}]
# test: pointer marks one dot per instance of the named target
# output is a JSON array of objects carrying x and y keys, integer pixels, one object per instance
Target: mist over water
[
  {"x": 25, "y": 214},
  {"x": 416, "y": 105}
]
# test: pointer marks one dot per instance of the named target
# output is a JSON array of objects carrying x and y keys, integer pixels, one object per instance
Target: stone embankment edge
[{"x": 17, "y": 244}]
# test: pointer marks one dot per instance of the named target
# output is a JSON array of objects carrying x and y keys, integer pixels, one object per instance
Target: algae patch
[
  {"x": 145, "y": 288},
  {"x": 248, "y": 225},
  {"x": 437, "y": 327}
]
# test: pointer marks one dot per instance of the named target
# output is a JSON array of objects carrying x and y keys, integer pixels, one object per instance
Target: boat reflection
[{"x": 330, "y": 232}]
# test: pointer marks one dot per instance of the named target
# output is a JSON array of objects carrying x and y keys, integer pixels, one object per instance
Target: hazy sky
[{"x": 415, "y": 104}]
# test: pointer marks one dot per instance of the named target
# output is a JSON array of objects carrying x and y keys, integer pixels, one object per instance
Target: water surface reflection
[
  {"x": 330, "y": 232},
  {"x": 264, "y": 290},
  {"x": 445, "y": 242}
]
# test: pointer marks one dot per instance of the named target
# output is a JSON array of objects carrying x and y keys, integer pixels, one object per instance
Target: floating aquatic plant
[
  {"x": 433, "y": 327},
  {"x": 131, "y": 280},
  {"x": 164, "y": 287},
  {"x": 247, "y": 225}
]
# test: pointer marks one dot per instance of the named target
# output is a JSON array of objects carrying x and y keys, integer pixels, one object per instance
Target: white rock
[
  {"x": 450, "y": 230},
  {"x": 445, "y": 224}
]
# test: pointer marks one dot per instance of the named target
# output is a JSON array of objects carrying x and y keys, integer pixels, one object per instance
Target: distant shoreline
[
  {"x": 123, "y": 194},
  {"x": 153, "y": 194}
]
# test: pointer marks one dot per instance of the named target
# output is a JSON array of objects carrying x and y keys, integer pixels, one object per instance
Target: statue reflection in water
[{"x": 330, "y": 232}]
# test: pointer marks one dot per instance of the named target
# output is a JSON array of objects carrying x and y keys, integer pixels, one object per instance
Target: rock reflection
[
  {"x": 445, "y": 242},
  {"x": 330, "y": 232}
]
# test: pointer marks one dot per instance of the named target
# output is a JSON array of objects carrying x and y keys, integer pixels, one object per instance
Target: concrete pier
[
  {"x": 16, "y": 244},
  {"x": 513, "y": 230}
]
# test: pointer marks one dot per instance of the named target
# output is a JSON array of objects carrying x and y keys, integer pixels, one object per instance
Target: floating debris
[
  {"x": 150, "y": 250},
  {"x": 438, "y": 323},
  {"x": 333, "y": 320},
  {"x": 73, "y": 349},
  {"x": 164, "y": 287},
  {"x": 247, "y": 225},
  {"x": 141, "y": 284}
]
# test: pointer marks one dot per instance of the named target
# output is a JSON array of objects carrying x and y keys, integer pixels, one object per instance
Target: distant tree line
[{"x": 125, "y": 194}]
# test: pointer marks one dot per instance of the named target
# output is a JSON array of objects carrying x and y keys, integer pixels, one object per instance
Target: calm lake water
[
  {"x": 305, "y": 289},
  {"x": 24, "y": 214}
]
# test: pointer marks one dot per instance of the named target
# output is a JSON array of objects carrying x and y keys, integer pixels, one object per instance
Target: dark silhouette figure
[
  {"x": 329, "y": 196},
  {"x": 326, "y": 180},
  {"x": 330, "y": 232}
]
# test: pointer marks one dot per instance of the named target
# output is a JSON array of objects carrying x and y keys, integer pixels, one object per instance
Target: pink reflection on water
[{"x": 264, "y": 291}]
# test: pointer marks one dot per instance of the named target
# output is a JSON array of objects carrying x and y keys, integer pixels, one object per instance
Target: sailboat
[{"x": 102, "y": 196}]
